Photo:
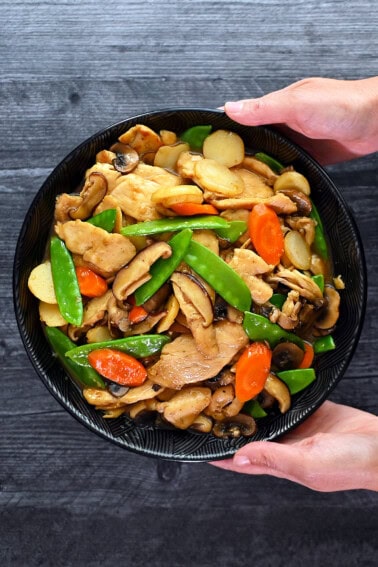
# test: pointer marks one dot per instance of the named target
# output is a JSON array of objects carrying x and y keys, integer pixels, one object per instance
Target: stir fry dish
[{"x": 188, "y": 283}]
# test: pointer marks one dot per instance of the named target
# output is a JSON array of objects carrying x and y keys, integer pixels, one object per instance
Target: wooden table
[{"x": 68, "y": 69}]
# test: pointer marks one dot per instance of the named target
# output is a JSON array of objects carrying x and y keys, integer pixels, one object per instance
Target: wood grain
[{"x": 69, "y": 69}]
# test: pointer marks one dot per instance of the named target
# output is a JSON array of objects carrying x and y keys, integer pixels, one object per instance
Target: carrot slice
[
  {"x": 118, "y": 366},
  {"x": 90, "y": 283},
  {"x": 137, "y": 314},
  {"x": 266, "y": 234},
  {"x": 252, "y": 370},
  {"x": 308, "y": 356},
  {"x": 190, "y": 209}
]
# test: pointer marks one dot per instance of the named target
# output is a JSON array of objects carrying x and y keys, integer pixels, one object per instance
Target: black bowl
[{"x": 348, "y": 260}]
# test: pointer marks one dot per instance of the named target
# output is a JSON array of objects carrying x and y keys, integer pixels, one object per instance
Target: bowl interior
[{"x": 348, "y": 260}]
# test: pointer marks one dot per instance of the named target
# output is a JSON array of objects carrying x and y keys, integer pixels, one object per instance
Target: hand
[
  {"x": 333, "y": 120},
  {"x": 334, "y": 449}
]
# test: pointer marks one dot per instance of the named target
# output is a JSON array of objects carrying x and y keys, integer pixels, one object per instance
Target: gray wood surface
[{"x": 68, "y": 69}]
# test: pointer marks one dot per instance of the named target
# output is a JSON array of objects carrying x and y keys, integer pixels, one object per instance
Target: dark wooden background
[{"x": 67, "y": 69}]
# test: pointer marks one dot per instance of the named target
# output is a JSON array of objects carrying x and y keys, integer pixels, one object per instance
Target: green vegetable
[
  {"x": 195, "y": 136},
  {"x": 274, "y": 165},
  {"x": 105, "y": 219},
  {"x": 223, "y": 279},
  {"x": 278, "y": 299},
  {"x": 233, "y": 232},
  {"x": 174, "y": 224},
  {"x": 254, "y": 409},
  {"x": 60, "y": 343},
  {"x": 320, "y": 243},
  {"x": 324, "y": 344},
  {"x": 298, "y": 379},
  {"x": 259, "y": 328},
  {"x": 163, "y": 268},
  {"x": 138, "y": 346},
  {"x": 65, "y": 282},
  {"x": 319, "y": 280}
]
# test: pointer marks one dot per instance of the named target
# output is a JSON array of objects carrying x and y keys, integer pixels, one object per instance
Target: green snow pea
[
  {"x": 105, "y": 219},
  {"x": 65, "y": 282},
  {"x": 174, "y": 224},
  {"x": 259, "y": 328},
  {"x": 195, "y": 136},
  {"x": 278, "y": 299},
  {"x": 298, "y": 379},
  {"x": 320, "y": 242},
  {"x": 223, "y": 279},
  {"x": 139, "y": 346},
  {"x": 60, "y": 343},
  {"x": 233, "y": 232},
  {"x": 319, "y": 280},
  {"x": 274, "y": 165},
  {"x": 254, "y": 409},
  {"x": 324, "y": 344},
  {"x": 162, "y": 269}
]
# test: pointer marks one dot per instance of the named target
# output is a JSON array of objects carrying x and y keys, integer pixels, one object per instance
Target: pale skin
[{"x": 336, "y": 448}]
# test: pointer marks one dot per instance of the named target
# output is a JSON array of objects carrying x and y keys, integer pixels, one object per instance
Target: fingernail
[
  {"x": 234, "y": 107},
  {"x": 241, "y": 461}
]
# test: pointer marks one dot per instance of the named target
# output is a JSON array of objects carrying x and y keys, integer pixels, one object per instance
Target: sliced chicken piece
[
  {"x": 107, "y": 170},
  {"x": 64, "y": 204},
  {"x": 144, "y": 140},
  {"x": 254, "y": 185},
  {"x": 180, "y": 362},
  {"x": 107, "y": 253},
  {"x": 249, "y": 266},
  {"x": 133, "y": 195},
  {"x": 158, "y": 175},
  {"x": 279, "y": 203}
]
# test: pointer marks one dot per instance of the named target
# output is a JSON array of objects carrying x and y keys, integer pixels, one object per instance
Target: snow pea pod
[
  {"x": 66, "y": 286},
  {"x": 320, "y": 243},
  {"x": 139, "y": 346},
  {"x": 298, "y": 379},
  {"x": 254, "y": 409},
  {"x": 233, "y": 232},
  {"x": 60, "y": 343},
  {"x": 259, "y": 328},
  {"x": 324, "y": 344},
  {"x": 163, "y": 268},
  {"x": 195, "y": 136},
  {"x": 174, "y": 224},
  {"x": 274, "y": 165},
  {"x": 223, "y": 279},
  {"x": 106, "y": 219}
]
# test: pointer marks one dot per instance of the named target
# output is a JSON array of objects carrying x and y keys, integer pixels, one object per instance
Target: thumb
[{"x": 273, "y": 108}]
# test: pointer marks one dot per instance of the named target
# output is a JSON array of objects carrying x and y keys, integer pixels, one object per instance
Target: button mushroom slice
[
  {"x": 137, "y": 272},
  {"x": 93, "y": 192},
  {"x": 223, "y": 403},
  {"x": 330, "y": 313},
  {"x": 197, "y": 307},
  {"x": 185, "y": 406},
  {"x": 202, "y": 424},
  {"x": 181, "y": 363},
  {"x": 240, "y": 425},
  {"x": 107, "y": 252},
  {"x": 126, "y": 158},
  {"x": 278, "y": 389},
  {"x": 286, "y": 356},
  {"x": 300, "y": 282}
]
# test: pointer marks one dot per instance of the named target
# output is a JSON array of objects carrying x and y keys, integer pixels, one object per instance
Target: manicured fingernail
[
  {"x": 241, "y": 461},
  {"x": 234, "y": 107}
]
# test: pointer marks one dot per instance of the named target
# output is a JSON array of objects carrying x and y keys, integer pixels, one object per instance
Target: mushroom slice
[
  {"x": 276, "y": 388},
  {"x": 330, "y": 315},
  {"x": 196, "y": 305},
  {"x": 303, "y": 202},
  {"x": 137, "y": 272},
  {"x": 202, "y": 424},
  {"x": 286, "y": 356},
  {"x": 185, "y": 406},
  {"x": 126, "y": 158},
  {"x": 93, "y": 192},
  {"x": 171, "y": 311},
  {"x": 240, "y": 425},
  {"x": 95, "y": 309},
  {"x": 223, "y": 403},
  {"x": 300, "y": 282}
]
